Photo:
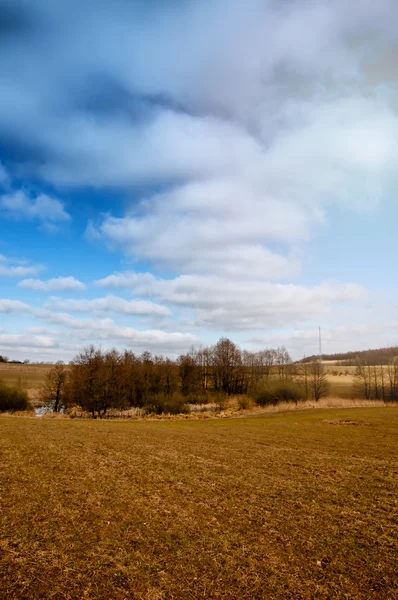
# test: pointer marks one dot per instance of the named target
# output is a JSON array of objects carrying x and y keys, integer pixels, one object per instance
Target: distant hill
[{"x": 378, "y": 356}]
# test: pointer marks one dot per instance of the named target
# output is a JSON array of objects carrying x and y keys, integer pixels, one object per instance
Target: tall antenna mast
[{"x": 320, "y": 345}]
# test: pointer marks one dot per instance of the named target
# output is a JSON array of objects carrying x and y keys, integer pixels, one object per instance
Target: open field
[
  {"x": 296, "y": 505},
  {"x": 30, "y": 377},
  {"x": 341, "y": 386},
  {"x": 341, "y": 379}
]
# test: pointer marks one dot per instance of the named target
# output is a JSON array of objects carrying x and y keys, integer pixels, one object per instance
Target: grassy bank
[{"x": 289, "y": 505}]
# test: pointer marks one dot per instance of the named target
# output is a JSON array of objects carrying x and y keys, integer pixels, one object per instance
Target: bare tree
[
  {"x": 52, "y": 393},
  {"x": 392, "y": 378},
  {"x": 283, "y": 362},
  {"x": 266, "y": 359},
  {"x": 227, "y": 367},
  {"x": 303, "y": 373},
  {"x": 100, "y": 380},
  {"x": 85, "y": 386},
  {"x": 363, "y": 380},
  {"x": 203, "y": 358},
  {"x": 376, "y": 381},
  {"x": 317, "y": 382},
  {"x": 251, "y": 369},
  {"x": 189, "y": 374}
]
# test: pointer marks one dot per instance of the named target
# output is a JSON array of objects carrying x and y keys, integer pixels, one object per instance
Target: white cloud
[
  {"x": 26, "y": 341},
  {"x": 256, "y": 70},
  {"x": 111, "y": 304},
  {"x": 37, "y": 346},
  {"x": 44, "y": 208},
  {"x": 83, "y": 331},
  {"x": 229, "y": 219},
  {"x": 40, "y": 340},
  {"x": 221, "y": 303},
  {"x": 246, "y": 139},
  {"x": 57, "y": 284},
  {"x": 128, "y": 280},
  {"x": 13, "y": 306},
  {"x": 117, "y": 152},
  {"x": 10, "y": 267},
  {"x": 39, "y": 330},
  {"x": 106, "y": 330},
  {"x": 19, "y": 271}
]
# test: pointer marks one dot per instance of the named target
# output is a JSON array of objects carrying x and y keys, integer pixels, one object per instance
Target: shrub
[
  {"x": 265, "y": 396},
  {"x": 13, "y": 399},
  {"x": 201, "y": 397},
  {"x": 244, "y": 402},
  {"x": 172, "y": 404},
  {"x": 278, "y": 391},
  {"x": 204, "y": 397},
  {"x": 220, "y": 399}
]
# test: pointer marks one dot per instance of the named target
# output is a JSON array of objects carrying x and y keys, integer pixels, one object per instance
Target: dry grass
[
  {"x": 324, "y": 403},
  {"x": 341, "y": 389},
  {"x": 295, "y": 505},
  {"x": 341, "y": 379},
  {"x": 29, "y": 377}
]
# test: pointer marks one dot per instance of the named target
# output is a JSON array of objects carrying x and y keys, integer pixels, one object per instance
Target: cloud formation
[
  {"x": 222, "y": 303},
  {"x": 43, "y": 208},
  {"x": 10, "y": 267},
  {"x": 13, "y": 306},
  {"x": 27, "y": 342},
  {"x": 112, "y": 304},
  {"x": 158, "y": 100},
  {"x": 106, "y": 331},
  {"x": 58, "y": 284},
  {"x": 232, "y": 134},
  {"x": 230, "y": 220},
  {"x": 71, "y": 334}
]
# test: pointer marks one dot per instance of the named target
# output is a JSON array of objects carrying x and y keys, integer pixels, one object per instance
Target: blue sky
[{"x": 175, "y": 171}]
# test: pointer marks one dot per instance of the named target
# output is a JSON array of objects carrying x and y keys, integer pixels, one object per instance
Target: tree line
[
  {"x": 375, "y": 356},
  {"x": 98, "y": 380},
  {"x": 377, "y": 382}
]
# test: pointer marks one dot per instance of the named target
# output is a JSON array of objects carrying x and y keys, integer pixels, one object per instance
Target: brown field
[
  {"x": 341, "y": 386},
  {"x": 295, "y": 505},
  {"x": 341, "y": 379},
  {"x": 29, "y": 377}
]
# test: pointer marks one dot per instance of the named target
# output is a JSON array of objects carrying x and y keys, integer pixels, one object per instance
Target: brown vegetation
[
  {"x": 377, "y": 382},
  {"x": 98, "y": 381},
  {"x": 375, "y": 356},
  {"x": 13, "y": 399},
  {"x": 287, "y": 507},
  {"x": 26, "y": 376}
]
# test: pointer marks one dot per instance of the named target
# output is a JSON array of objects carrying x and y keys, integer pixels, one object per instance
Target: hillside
[{"x": 377, "y": 356}]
